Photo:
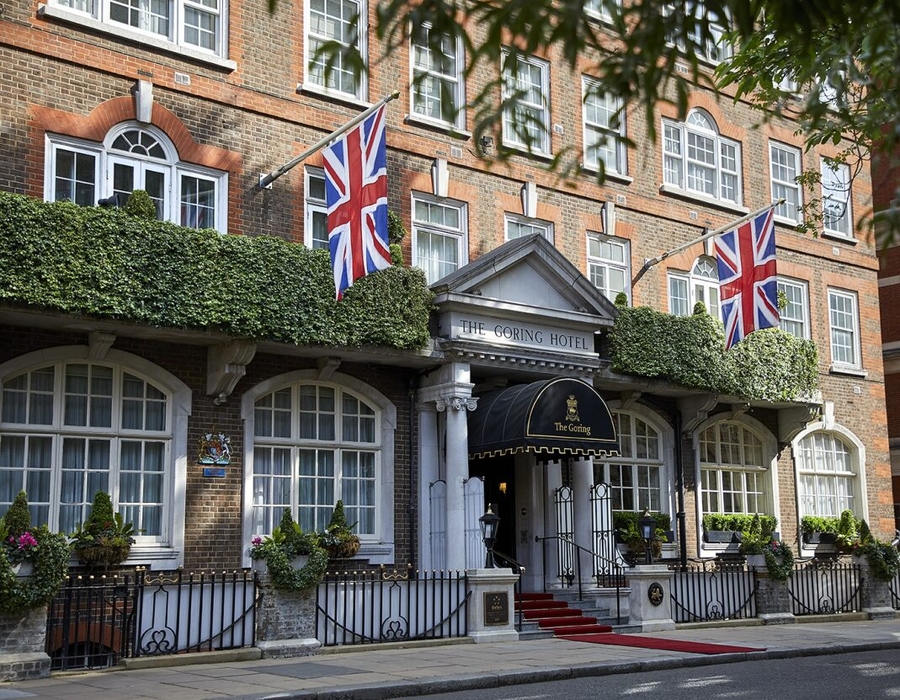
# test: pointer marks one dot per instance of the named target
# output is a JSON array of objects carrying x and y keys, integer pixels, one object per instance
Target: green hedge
[
  {"x": 106, "y": 263},
  {"x": 769, "y": 365}
]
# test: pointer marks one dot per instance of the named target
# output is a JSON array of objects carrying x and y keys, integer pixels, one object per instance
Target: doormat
[{"x": 631, "y": 640}]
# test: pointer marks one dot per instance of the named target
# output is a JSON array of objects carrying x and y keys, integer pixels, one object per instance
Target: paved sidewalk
[{"x": 377, "y": 673}]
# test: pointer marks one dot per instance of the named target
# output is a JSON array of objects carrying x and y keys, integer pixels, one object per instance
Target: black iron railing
[
  {"x": 387, "y": 605},
  {"x": 516, "y": 568},
  {"x": 824, "y": 587},
  {"x": 713, "y": 590},
  {"x": 94, "y": 622}
]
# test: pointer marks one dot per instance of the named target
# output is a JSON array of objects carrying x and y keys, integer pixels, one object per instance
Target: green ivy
[
  {"x": 768, "y": 365},
  {"x": 105, "y": 263}
]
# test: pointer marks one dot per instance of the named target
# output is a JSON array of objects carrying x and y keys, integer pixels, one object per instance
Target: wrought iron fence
[
  {"x": 713, "y": 590},
  {"x": 824, "y": 587},
  {"x": 368, "y": 607},
  {"x": 93, "y": 622}
]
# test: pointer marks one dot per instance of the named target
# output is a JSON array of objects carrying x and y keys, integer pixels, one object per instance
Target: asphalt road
[{"x": 862, "y": 676}]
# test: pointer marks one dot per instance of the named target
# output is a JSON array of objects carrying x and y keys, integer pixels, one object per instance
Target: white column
[
  {"x": 550, "y": 547},
  {"x": 582, "y": 480},
  {"x": 455, "y": 405},
  {"x": 429, "y": 472}
]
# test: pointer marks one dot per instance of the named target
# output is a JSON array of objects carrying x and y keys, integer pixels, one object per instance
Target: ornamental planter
[
  {"x": 343, "y": 550},
  {"x": 757, "y": 560},
  {"x": 262, "y": 567},
  {"x": 721, "y": 536},
  {"x": 819, "y": 538},
  {"x": 23, "y": 568},
  {"x": 104, "y": 555}
]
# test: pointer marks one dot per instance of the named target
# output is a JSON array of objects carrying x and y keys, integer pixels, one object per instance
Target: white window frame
[
  {"x": 429, "y": 71},
  {"x": 378, "y": 546},
  {"x": 601, "y": 8},
  {"x": 448, "y": 233},
  {"x": 713, "y": 52},
  {"x": 795, "y": 314},
  {"x": 169, "y": 166},
  {"x": 527, "y": 226},
  {"x": 837, "y": 209},
  {"x": 315, "y": 78},
  {"x": 166, "y": 550},
  {"x": 856, "y": 474},
  {"x": 611, "y": 128},
  {"x": 602, "y": 261},
  {"x": 519, "y": 87},
  {"x": 682, "y": 163},
  {"x": 696, "y": 287},
  {"x": 642, "y": 456},
  {"x": 96, "y": 15},
  {"x": 843, "y": 327},
  {"x": 316, "y": 208},
  {"x": 743, "y": 468},
  {"x": 785, "y": 164}
]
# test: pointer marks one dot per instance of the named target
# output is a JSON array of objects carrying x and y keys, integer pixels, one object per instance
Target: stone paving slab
[{"x": 382, "y": 672}]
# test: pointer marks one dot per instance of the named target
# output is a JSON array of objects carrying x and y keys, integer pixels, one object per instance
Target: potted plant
[
  {"x": 33, "y": 561},
  {"x": 105, "y": 538},
  {"x": 294, "y": 559},
  {"x": 338, "y": 539},
  {"x": 732, "y": 528},
  {"x": 289, "y": 539},
  {"x": 629, "y": 534}
]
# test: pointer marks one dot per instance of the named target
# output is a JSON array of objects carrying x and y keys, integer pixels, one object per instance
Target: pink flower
[
  {"x": 27, "y": 541},
  {"x": 256, "y": 541}
]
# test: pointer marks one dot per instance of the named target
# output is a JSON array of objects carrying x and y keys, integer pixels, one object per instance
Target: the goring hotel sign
[{"x": 504, "y": 332}]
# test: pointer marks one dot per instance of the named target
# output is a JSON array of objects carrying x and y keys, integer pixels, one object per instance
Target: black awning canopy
[{"x": 554, "y": 417}]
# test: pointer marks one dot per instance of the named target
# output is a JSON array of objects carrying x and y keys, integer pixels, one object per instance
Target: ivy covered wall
[
  {"x": 768, "y": 365},
  {"x": 109, "y": 264}
]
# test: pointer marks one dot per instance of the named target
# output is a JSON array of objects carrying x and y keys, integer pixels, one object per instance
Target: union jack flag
[
  {"x": 356, "y": 194},
  {"x": 748, "y": 287}
]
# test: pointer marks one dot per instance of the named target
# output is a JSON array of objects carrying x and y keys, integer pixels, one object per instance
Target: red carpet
[{"x": 631, "y": 640}]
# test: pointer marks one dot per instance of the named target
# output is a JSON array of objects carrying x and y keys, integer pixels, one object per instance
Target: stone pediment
[{"x": 527, "y": 275}]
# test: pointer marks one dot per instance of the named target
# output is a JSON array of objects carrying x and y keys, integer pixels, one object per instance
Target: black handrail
[
  {"x": 517, "y": 568},
  {"x": 618, "y": 576}
]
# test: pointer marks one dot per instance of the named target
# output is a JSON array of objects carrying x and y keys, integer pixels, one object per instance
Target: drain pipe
[{"x": 412, "y": 390}]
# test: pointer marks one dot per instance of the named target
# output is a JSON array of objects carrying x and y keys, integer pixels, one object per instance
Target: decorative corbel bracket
[
  {"x": 629, "y": 399},
  {"x": 226, "y": 364},
  {"x": 327, "y": 367},
  {"x": 792, "y": 421},
  {"x": 738, "y": 410},
  {"x": 99, "y": 343},
  {"x": 695, "y": 410}
]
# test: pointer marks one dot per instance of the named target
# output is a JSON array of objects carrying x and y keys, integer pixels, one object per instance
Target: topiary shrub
[{"x": 139, "y": 204}]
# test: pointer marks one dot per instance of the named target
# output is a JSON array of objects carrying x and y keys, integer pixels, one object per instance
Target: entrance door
[{"x": 500, "y": 491}]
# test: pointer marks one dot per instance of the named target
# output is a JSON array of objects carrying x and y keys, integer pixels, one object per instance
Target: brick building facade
[{"x": 99, "y": 99}]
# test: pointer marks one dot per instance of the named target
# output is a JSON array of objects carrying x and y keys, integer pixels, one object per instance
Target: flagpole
[
  {"x": 709, "y": 234},
  {"x": 266, "y": 181}
]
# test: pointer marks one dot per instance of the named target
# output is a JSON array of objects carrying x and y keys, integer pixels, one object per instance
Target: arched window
[
  {"x": 702, "y": 284},
  {"x": 74, "y": 426},
  {"x": 636, "y": 477},
  {"x": 136, "y": 157},
  {"x": 312, "y": 443},
  {"x": 827, "y": 475},
  {"x": 733, "y": 470},
  {"x": 698, "y": 159}
]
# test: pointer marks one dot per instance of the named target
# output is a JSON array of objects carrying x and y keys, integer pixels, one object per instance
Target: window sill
[
  {"x": 847, "y": 370},
  {"x": 445, "y": 127},
  {"x": 72, "y": 17},
  {"x": 515, "y": 148},
  {"x": 832, "y": 236},
  {"x": 609, "y": 175},
  {"x": 343, "y": 97},
  {"x": 701, "y": 199},
  {"x": 793, "y": 223}
]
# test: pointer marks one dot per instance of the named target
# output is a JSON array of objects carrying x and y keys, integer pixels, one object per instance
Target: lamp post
[
  {"x": 647, "y": 525},
  {"x": 489, "y": 523}
]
